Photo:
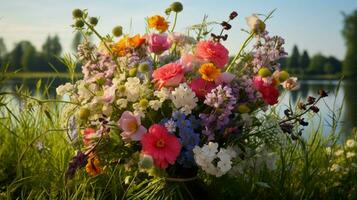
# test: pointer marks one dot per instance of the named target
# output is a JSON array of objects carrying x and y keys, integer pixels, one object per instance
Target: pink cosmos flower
[
  {"x": 211, "y": 51},
  {"x": 161, "y": 145},
  {"x": 131, "y": 126},
  {"x": 169, "y": 75},
  {"x": 201, "y": 87},
  {"x": 158, "y": 43}
]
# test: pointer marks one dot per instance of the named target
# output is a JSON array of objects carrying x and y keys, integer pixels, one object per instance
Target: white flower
[
  {"x": 132, "y": 89},
  {"x": 328, "y": 150},
  {"x": 339, "y": 152},
  {"x": 350, "y": 143},
  {"x": 204, "y": 157},
  {"x": 184, "y": 99},
  {"x": 155, "y": 104},
  {"x": 171, "y": 126},
  {"x": 63, "y": 89},
  {"x": 122, "y": 103},
  {"x": 336, "y": 168},
  {"x": 350, "y": 154},
  {"x": 255, "y": 24},
  {"x": 163, "y": 94}
]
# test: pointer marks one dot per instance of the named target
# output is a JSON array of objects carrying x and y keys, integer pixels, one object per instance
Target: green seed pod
[
  {"x": 168, "y": 11},
  {"x": 83, "y": 113},
  {"x": 79, "y": 24},
  {"x": 117, "y": 31},
  {"x": 283, "y": 76},
  {"x": 93, "y": 21},
  {"x": 176, "y": 7},
  {"x": 144, "y": 103},
  {"x": 146, "y": 162},
  {"x": 133, "y": 72},
  {"x": 243, "y": 108},
  {"x": 264, "y": 72},
  {"x": 143, "y": 67},
  {"x": 77, "y": 13}
]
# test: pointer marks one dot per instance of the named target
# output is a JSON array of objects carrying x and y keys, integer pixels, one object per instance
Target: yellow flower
[
  {"x": 209, "y": 71},
  {"x": 126, "y": 43},
  {"x": 159, "y": 23}
]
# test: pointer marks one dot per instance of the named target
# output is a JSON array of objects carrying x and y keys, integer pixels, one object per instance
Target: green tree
[
  {"x": 305, "y": 60},
  {"x": 78, "y": 38},
  {"x": 28, "y": 59},
  {"x": 349, "y": 32},
  {"x": 293, "y": 62},
  {"x": 3, "y": 51},
  {"x": 317, "y": 64},
  {"x": 335, "y": 64}
]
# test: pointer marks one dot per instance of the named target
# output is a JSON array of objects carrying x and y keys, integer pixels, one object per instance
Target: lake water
[{"x": 345, "y": 100}]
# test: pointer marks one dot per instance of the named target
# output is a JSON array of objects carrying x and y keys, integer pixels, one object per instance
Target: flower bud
[
  {"x": 121, "y": 88},
  {"x": 143, "y": 103},
  {"x": 143, "y": 67},
  {"x": 133, "y": 72},
  {"x": 168, "y": 11},
  {"x": 176, "y": 7},
  {"x": 243, "y": 108},
  {"x": 264, "y": 72},
  {"x": 146, "y": 162},
  {"x": 84, "y": 113},
  {"x": 93, "y": 21},
  {"x": 255, "y": 24},
  {"x": 79, "y": 24},
  {"x": 77, "y": 13},
  {"x": 283, "y": 76},
  {"x": 117, "y": 31}
]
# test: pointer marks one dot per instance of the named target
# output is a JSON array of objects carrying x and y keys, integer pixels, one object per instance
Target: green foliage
[
  {"x": 294, "y": 60},
  {"x": 304, "y": 60},
  {"x": 349, "y": 32},
  {"x": 317, "y": 63}
]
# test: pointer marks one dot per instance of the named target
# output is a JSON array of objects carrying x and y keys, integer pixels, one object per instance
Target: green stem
[
  {"x": 175, "y": 20},
  {"x": 246, "y": 42},
  {"x": 98, "y": 35}
]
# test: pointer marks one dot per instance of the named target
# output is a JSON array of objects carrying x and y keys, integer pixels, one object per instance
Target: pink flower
[
  {"x": 158, "y": 43},
  {"x": 89, "y": 134},
  {"x": 211, "y": 51},
  {"x": 201, "y": 87},
  {"x": 131, "y": 126},
  {"x": 269, "y": 92},
  {"x": 168, "y": 75},
  {"x": 109, "y": 94},
  {"x": 161, "y": 145},
  {"x": 224, "y": 77},
  {"x": 189, "y": 61}
]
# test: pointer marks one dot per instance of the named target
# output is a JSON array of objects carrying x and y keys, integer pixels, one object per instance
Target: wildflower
[
  {"x": 350, "y": 143},
  {"x": 131, "y": 126},
  {"x": 163, "y": 94},
  {"x": 93, "y": 166},
  {"x": 188, "y": 62},
  {"x": 155, "y": 104},
  {"x": 78, "y": 161},
  {"x": 158, "y": 43},
  {"x": 224, "y": 78},
  {"x": 339, "y": 152},
  {"x": 158, "y": 22},
  {"x": 211, "y": 51},
  {"x": 184, "y": 98},
  {"x": 201, "y": 87},
  {"x": 209, "y": 71},
  {"x": 89, "y": 134},
  {"x": 350, "y": 154},
  {"x": 161, "y": 145},
  {"x": 133, "y": 89},
  {"x": 336, "y": 168},
  {"x": 168, "y": 75},
  {"x": 290, "y": 84},
  {"x": 255, "y": 24},
  {"x": 63, "y": 89}
]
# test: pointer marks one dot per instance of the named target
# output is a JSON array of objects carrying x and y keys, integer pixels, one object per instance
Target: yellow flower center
[
  {"x": 160, "y": 143},
  {"x": 132, "y": 126},
  {"x": 209, "y": 71}
]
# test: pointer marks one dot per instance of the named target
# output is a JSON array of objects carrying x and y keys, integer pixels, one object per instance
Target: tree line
[
  {"x": 302, "y": 64},
  {"x": 26, "y": 58}
]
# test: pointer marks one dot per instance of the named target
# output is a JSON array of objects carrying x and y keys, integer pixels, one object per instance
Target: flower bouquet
[{"x": 170, "y": 107}]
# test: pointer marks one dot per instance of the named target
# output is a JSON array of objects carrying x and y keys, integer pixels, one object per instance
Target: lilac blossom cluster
[
  {"x": 101, "y": 70},
  {"x": 222, "y": 100},
  {"x": 268, "y": 50}
]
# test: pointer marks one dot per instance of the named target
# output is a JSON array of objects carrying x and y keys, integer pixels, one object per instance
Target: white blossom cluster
[
  {"x": 208, "y": 155},
  {"x": 184, "y": 99}
]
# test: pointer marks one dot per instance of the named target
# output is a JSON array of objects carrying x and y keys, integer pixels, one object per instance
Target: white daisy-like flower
[
  {"x": 122, "y": 103},
  {"x": 350, "y": 154},
  {"x": 155, "y": 104},
  {"x": 132, "y": 89},
  {"x": 184, "y": 99},
  {"x": 63, "y": 89},
  {"x": 163, "y": 94},
  {"x": 351, "y": 143}
]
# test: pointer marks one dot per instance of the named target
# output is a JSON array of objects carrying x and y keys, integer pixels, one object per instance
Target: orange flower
[
  {"x": 209, "y": 71},
  {"x": 93, "y": 168},
  {"x": 124, "y": 44},
  {"x": 159, "y": 23},
  {"x": 136, "y": 41}
]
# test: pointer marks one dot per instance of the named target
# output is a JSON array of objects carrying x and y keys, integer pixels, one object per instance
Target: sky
[{"x": 314, "y": 25}]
